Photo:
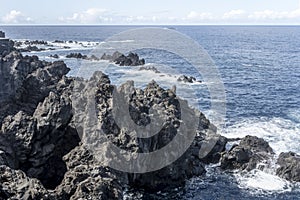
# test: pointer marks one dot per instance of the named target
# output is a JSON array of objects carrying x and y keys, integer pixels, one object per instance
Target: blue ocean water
[{"x": 260, "y": 69}]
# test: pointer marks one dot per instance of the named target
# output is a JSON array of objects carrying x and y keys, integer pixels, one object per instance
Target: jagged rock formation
[
  {"x": 123, "y": 135},
  {"x": 31, "y": 43},
  {"x": 77, "y": 56},
  {"x": 40, "y": 145},
  {"x": 132, "y": 59},
  {"x": 44, "y": 154}
]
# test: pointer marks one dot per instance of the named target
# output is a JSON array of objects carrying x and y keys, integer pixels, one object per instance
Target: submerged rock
[
  {"x": 187, "y": 79},
  {"x": 54, "y": 56},
  {"x": 58, "y": 41},
  {"x": 149, "y": 68}
]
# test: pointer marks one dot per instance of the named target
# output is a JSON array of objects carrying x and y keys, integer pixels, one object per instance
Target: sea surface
[{"x": 260, "y": 69}]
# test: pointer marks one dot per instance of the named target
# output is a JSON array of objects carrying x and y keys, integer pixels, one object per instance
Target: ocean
[{"x": 259, "y": 67}]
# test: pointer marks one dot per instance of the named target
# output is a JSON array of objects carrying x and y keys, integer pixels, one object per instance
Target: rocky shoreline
[{"x": 42, "y": 155}]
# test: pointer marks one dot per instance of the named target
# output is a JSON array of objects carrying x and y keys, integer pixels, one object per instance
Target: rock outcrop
[
  {"x": 247, "y": 155},
  {"x": 77, "y": 56},
  {"x": 2, "y": 34},
  {"x": 45, "y": 154},
  {"x": 132, "y": 59},
  {"x": 41, "y": 146},
  {"x": 16, "y": 185},
  {"x": 289, "y": 166},
  {"x": 187, "y": 79},
  {"x": 123, "y": 135},
  {"x": 26, "y": 81},
  {"x": 6, "y": 45},
  {"x": 54, "y": 56},
  {"x": 31, "y": 48},
  {"x": 35, "y": 119}
]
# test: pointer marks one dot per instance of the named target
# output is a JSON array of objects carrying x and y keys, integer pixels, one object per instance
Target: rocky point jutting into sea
[{"x": 42, "y": 155}]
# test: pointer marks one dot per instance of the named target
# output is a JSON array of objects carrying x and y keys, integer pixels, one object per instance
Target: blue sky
[{"x": 150, "y": 12}]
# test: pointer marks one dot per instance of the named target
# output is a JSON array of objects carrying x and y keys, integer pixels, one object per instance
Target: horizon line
[{"x": 149, "y": 24}]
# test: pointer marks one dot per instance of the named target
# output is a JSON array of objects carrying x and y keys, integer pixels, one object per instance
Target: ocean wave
[{"x": 282, "y": 134}]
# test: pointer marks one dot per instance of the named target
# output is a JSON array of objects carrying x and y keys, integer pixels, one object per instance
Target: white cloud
[
  {"x": 196, "y": 16},
  {"x": 275, "y": 15},
  {"x": 142, "y": 19},
  {"x": 103, "y": 16},
  {"x": 243, "y": 17},
  {"x": 16, "y": 17},
  {"x": 238, "y": 16},
  {"x": 234, "y": 14},
  {"x": 90, "y": 16}
]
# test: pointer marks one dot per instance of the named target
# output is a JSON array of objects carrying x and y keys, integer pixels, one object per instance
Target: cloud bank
[
  {"x": 105, "y": 16},
  {"x": 16, "y": 17}
]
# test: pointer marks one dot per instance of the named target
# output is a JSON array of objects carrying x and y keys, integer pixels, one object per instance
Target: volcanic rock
[
  {"x": 289, "y": 166},
  {"x": 76, "y": 55},
  {"x": 247, "y": 155},
  {"x": 187, "y": 79},
  {"x": 132, "y": 59}
]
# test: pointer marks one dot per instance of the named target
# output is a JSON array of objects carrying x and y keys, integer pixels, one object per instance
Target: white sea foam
[
  {"x": 258, "y": 180},
  {"x": 282, "y": 134},
  {"x": 121, "y": 41}
]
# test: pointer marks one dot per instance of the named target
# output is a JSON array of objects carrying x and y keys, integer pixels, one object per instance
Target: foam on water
[
  {"x": 282, "y": 134},
  {"x": 258, "y": 181}
]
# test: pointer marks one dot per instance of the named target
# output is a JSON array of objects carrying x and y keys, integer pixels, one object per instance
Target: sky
[{"x": 154, "y": 12}]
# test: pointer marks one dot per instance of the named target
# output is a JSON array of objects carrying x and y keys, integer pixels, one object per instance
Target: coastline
[{"x": 36, "y": 102}]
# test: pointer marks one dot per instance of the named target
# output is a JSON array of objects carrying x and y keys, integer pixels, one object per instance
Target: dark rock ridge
[
  {"x": 32, "y": 43},
  {"x": 132, "y": 59},
  {"x": 81, "y": 56},
  {"x": 31, "y": 48},
  {"x": 58, "y": 41},
  {"x": 77, "y": 56}
]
